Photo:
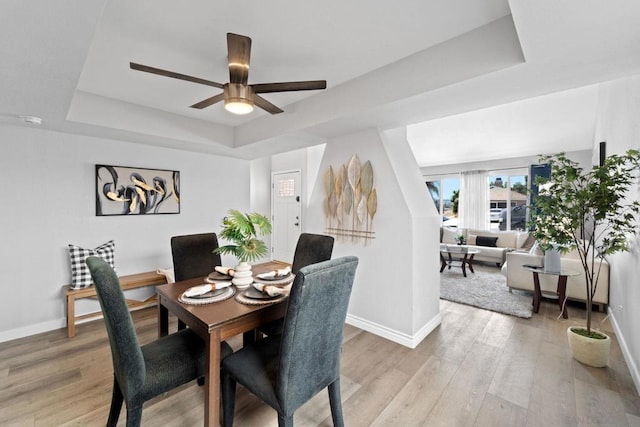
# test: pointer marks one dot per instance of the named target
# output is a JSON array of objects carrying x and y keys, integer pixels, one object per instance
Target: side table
[{"x": 561, "y": 291}]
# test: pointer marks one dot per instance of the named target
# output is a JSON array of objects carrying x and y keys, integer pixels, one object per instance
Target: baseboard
[
  {"x": 38, "y": 328},
  {"x": 393, "y": 335},
  {"x": 633, "y": 368}
]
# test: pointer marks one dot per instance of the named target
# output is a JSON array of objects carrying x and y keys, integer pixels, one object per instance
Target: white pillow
[
  {"x": 536, "y": 249},
  {"x": 449, "y": 235},
  {"x": 80, "y": 274}
]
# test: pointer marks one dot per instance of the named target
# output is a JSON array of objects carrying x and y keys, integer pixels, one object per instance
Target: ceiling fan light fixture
[
  {"x": 238, "y": 99},
  {"x": 238, "y": 106}
]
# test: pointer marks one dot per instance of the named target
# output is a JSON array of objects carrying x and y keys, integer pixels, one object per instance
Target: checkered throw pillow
[{"x": 80, "y": 275}]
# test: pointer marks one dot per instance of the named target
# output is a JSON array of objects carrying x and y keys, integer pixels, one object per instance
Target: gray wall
[{"x": 48, "y": 201}]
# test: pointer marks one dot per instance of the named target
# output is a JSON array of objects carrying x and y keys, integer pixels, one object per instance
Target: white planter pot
[
  {"x": 552, "y": 261},
  {"x": 242, "y": 276},
  {"x": 590, "y": 351}
]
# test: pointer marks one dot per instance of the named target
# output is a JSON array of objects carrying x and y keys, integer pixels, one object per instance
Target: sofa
[
  {"x": 519, "y": 278},
  {"x": 493, "y": 245}
]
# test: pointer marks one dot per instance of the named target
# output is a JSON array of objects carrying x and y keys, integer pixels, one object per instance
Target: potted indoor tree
[
  {"x": 242, "y": 230},
  {"x": 587, "y": 211}
]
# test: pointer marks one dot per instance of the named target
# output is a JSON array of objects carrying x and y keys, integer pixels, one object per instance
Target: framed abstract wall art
[{"x": 124, "y": 190}]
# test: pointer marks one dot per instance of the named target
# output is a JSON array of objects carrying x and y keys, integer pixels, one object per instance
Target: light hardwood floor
[{"x": 477, "y": 369}]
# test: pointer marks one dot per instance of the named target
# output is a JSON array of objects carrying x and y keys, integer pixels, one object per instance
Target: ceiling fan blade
[
  {"x": 289, "y": 86},
  {"x": 160, "y": 72},
  {"x": 238, "y": 53},
  {"x": 209, "y": 101},
  {"x": 266, "y": 105}
]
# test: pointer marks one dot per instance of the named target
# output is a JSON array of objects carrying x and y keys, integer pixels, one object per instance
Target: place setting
[
  {"x": 207, "y": 293},
  {"x": 269, "y": 287}
]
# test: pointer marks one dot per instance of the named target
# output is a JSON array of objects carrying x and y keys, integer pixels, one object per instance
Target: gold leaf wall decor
[{"x": 351, "y": 201}]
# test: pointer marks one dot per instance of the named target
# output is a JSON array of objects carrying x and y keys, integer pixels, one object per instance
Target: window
[
  {"x": 286, "y": 188},
  {"x": 444, "y": 193},
  {"x": 508, "y": 194}
]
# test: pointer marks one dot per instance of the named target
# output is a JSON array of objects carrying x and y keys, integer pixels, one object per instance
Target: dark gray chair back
[
  {"x": 193, "y": 255},
  {"x": 313, "y": 328},
  {"x": 311, "y": 248},
  {"x": 128, "y": 361}
]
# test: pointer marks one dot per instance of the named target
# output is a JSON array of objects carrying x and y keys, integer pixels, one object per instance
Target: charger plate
[
  {"x": 228, "y": 293},
  {"x": 243, "y": 299},
  {"x": 285, "y": 280}
]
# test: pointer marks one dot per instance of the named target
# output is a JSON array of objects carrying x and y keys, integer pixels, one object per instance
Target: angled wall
[{"x": 396, "y": 294}]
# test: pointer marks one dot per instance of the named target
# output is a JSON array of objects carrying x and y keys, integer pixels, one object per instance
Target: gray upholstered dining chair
[
  {"x": 288, "y": 369},
  {"x": 143, "y": 372},
  {"x": 310, "y": 249},
  {"x": 193, "y": 255}
]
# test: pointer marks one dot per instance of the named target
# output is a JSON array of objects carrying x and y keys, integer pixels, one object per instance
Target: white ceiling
[{"x": 387, "y": 64}]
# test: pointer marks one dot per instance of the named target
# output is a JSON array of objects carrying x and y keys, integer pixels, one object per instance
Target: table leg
[
  {"x": 212, "y": 383},
  {"x": 163, "y": 320},
  {"x": 464, "y": 263},
  {"x": 71, "y": 316},
  {"x": 471, "y": 263},
  {"x": 562, "y": 293},
  {"x": 450, "y": 260},
  {"x": 443, "y": 263},
  {"x": 537, "y": 293}
]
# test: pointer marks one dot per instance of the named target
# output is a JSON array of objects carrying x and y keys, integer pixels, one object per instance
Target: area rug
[{"x": 486, "y": 289}]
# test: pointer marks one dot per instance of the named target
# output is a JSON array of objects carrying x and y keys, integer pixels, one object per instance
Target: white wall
[
  {"x": 396, "y": 293},
  {"x": 617, "y": 124},
  {"x": 261, "y": 192},
  {"x": 48, "y": 201}
]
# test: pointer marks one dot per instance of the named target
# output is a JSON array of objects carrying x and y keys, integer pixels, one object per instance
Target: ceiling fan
[{"x": 238, "y": 96}]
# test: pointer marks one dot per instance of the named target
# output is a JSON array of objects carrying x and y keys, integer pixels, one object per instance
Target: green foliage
[
  {"x": 519, "y": 187},
  {"x": 455, "y": 197},
  {"x": 243, "y": 229},
  {"x": 587, "y": 211}
]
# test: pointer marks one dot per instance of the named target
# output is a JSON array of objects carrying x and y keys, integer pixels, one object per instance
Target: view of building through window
[
  {"x": 505, "y": 190},
  {"x": 508, "y": 201}
]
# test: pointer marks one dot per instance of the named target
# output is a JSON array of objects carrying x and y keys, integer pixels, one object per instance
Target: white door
[{"x": 286, "y": 220}]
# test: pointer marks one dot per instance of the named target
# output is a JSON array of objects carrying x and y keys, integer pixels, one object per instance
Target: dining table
[{"x": 215, "y": 323}]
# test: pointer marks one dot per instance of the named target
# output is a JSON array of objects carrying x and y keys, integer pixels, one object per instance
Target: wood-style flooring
[{"x": 478, "y": 368}]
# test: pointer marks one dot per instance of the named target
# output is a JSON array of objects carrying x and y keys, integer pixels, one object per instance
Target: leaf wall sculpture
[{"x": 351, "y": 200}]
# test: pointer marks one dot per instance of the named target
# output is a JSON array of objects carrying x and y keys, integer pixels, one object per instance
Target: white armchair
[{"x": 519, "y": 278}]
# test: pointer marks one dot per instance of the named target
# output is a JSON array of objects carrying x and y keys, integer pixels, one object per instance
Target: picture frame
[{"x": 124, "y": 190}]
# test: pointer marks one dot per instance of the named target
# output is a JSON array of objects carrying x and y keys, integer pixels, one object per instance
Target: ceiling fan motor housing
[{"x": 236, "y": 92}]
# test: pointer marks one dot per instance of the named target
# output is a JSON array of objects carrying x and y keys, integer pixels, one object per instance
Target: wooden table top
[{"x": 205, "y": 318}]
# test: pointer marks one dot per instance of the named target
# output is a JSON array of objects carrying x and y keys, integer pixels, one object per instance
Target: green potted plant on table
[
  {"x": 586, "y": 211},
  {"x": 242, "y": 229}
]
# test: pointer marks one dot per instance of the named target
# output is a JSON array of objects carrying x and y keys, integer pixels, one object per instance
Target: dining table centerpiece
[{"x": 242, "y": 231}]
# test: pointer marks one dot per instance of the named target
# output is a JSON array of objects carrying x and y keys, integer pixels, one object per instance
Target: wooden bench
[{"x": 133, "y": 281}]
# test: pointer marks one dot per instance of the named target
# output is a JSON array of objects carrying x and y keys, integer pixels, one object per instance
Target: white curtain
[{"x": 473, "y": 202}]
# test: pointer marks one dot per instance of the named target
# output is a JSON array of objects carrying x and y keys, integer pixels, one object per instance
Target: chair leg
[
  {"x": 335, "y": 401},
  {"x": 285, "y": 421},
  {"x": 116, "y": 404},
  {"x": 228, "y": 398},
  {"x": 134, "y": 416},
  {"x": 249, "y": 338}
]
